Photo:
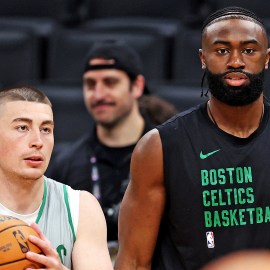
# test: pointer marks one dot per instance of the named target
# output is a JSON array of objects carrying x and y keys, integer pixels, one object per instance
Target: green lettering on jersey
[
  {"x": 216, "y": 219},
  {"x": 233, "y": 218},
  {"x": 62, "y": 251},
  {"x": 259, "y": 215},
  {"x": 250, "y": 195},
  {"x": 207, "y": 219},
  {"x": 248, "y": 174},
  {"x": 267, "y": 214},
  {"x": 206, "y": 201},
  {"x": 228, "y": 188},
  {"x": 251, "y": 213},
  {"x": 242, "y": 217},
  {"x": 204, "y": 177},
  {"x": 225, "y": 218}
]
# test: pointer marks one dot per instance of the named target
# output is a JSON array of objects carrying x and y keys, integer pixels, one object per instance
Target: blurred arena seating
[
  {"x": 260, "y": 7},
  {"x": 38, "y": 31},
  {"x": 44, "y": 43},
  {"x": 164, "y": 28},
  {"x": 67, "y": 50},
  {"x": 20, "y": 58},
  {"x": 186, "y": 65},
  {"x": 187, "y": 11},
  {"x": 64, "y": 11},
  {"x": 181, "y": 96},
  {"x": 70, "y": 115}
]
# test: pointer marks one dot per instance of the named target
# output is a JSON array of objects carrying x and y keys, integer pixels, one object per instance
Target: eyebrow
[
  {"x": 251, "y": 41},
  {"x": 107, "y": 77},
  {"x": 23, "y": 119}
]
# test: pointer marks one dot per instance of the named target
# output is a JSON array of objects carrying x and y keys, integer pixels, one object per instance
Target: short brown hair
[{"x": 24, "y": 93}]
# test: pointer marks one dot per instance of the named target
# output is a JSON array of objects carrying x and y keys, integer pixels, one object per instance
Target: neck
[
  {"x": 126, "y": 132},
  {"x": 22, "y": 196},
  {"x": 240, "y": 121}
]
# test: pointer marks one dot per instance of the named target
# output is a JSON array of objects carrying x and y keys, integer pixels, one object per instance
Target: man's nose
[
  {"x": 35, "y": 139},
  {"x": 236, "y": 61},
  {"x": 99, "y": 91}
]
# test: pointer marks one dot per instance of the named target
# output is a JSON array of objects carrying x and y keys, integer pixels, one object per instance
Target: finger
[
  {"x": 38, "y": 231},
  {"x": 49, "y": 262},
  {"x": 44, "y": 245},
  {"x": 37, "y": 258}
]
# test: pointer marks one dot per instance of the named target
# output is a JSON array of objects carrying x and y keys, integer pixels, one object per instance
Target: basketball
[{"x": 14, "y": 244}]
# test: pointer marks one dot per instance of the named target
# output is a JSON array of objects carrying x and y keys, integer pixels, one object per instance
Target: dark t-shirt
[
  {"x": 217, "y": 188},
  {"x": 81, "y": 163}
]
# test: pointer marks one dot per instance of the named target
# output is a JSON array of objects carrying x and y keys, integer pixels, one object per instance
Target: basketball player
[
  {"x": 200, "y": 182},
  {"x": 72, "y": 221},
  {"x": 241, "y": 260}
]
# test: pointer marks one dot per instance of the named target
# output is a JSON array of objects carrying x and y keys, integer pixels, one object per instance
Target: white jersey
[{"x": 57, "y": 217}]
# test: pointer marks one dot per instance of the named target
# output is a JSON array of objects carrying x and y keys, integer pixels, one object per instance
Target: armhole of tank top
[{"x": 72, "y": 199}]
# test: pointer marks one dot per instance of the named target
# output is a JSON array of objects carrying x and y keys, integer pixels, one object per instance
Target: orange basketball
[{"x": 14, "y": 244}]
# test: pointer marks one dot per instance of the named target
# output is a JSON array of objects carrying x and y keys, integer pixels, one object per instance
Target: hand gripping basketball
[{"x": 14, "y": 244}]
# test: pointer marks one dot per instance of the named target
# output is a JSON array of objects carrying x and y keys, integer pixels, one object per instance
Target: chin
[
  {"x": 33, "y": 175},
  {"x": 106, "y": 124}
]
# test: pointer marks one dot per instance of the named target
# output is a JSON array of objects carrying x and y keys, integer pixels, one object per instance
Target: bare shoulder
[
  {"x": 151, "y": 137},
  {"x": 143, "y": 205},
  {"x": 149, "y": 144},
  {"x": 89, "y": 205},
  {"x": 91, "y": 218},
  {"x": 147, "y": 158}
]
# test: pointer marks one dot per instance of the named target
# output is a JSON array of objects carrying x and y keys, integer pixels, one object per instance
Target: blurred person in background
[{"x": 118, "y": 100}]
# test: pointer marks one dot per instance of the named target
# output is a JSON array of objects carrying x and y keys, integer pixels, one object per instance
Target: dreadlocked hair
[{"x": 232, "y": 13}]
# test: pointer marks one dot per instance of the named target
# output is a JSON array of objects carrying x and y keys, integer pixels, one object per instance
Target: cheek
[
  {"x": 6, "y": 151},
  {"x": 50, "y": 144},
  {"x": 216, "y": 62},
  {"x": 6, "y": 142},
  {"x": 48, "y": 140},
  {"x": 89, "y": 97},
  {"x": 127, "y": 104},
  {"x": 256, "y": 64}
]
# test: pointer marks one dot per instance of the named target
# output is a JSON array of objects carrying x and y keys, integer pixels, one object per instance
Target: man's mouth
[
  {"x": 34, "y": 158},
  {"x": 236, "y": 79}
]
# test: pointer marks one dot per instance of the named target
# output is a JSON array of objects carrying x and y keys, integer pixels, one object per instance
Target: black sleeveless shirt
[{"x": 218, "y": 191}]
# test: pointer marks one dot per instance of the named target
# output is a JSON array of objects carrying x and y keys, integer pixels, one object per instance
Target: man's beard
[{"x": 235, "y": 95}]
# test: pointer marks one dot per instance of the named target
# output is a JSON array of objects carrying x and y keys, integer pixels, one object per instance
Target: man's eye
[
  {"x": 222, "y": 51},
  {"x": 248, "y": 51},
  {"x": 90, "y": 84},
  {"x": 111, "y": 82},
  {"x": 46, "y": 130},
  {"x": 22, "y": 128}
]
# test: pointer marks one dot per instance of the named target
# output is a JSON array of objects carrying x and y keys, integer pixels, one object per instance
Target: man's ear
[
  {"x": 201, "y": 55},
  {"x": 138, "y": 86},
  {"x": 267, "y": 59}
]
